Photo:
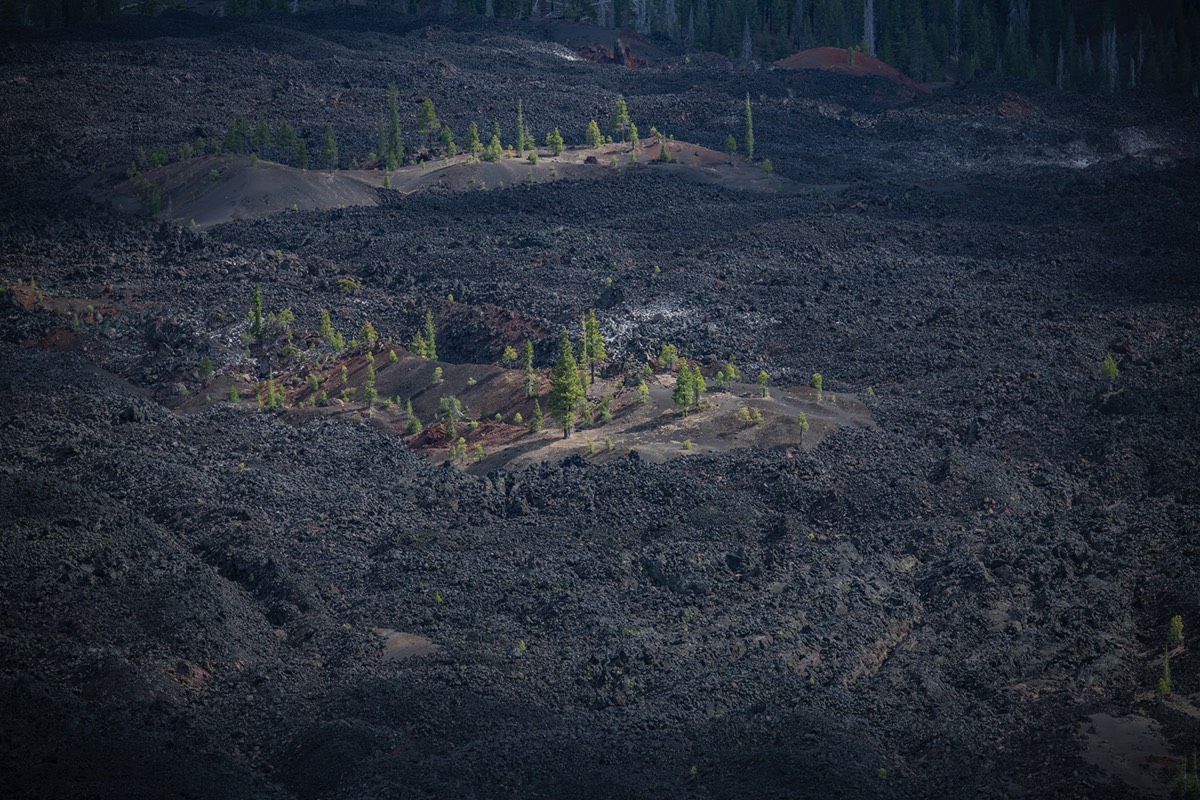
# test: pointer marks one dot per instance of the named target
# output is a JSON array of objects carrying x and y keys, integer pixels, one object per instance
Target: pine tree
[
  {"x": 330, "y": 150},
  {"x": 492, "y": 153},
  {"x": 473, "y": 145},
  {"x": 325, "y": 326},
  {"x": 256, "y": 313},
  {"x": 430, "y": 337},
  {"x": 584, "y": 360},
  {"x": 418, "y": 347},
  {"x": 427, "y": 121},
  {"x": 531, "y": 387},
  {"x": 285, "y": 140},
  {"x": 368, "y": 334},
  {"x": 730, "y": 147},
  {"x": 620, "y": 122},
  {"x": 592, "y": 134},
  {"x": 684, "y": 390},
  {"x": 763, "y": 379},
  {"x": 749, "y": 136},
  {"x": 554, "y": 142},
  {"x": 412, "y": 425},
  {"x": 634, "y": 138},
  {"x": 802, "y": 424},
  {"x": 537, "y": 422},
  {"x": 699, "y": 387},
  {"x": 566, "y": 392},
  {"x": 448, "y": 145}
]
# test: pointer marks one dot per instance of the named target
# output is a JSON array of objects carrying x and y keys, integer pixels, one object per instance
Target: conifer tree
[
  {"x": 802, "y": 424},
  {"x": 285, "y": 140},
  {"x": 301, "y": 154},
  {"x": 620, "y": 122},
  {"x": 368, "y": 334},
  {"x": 584, "y": 359},
  {"x": 730, "y": 147},
  {"x": 554, "y": 142},
  {"x": 427, "y": 121},
  {"x": 699, "y": 387},
  {"x": 412, "y": 425},
  {"x": 430, "y": 337},
  {"x": 418, "y": 346},
  {"x": 522, "y": 145},
  {"x": 329, "y": 152},
  {"x": 256, "y": 313},
  {"x": 684, "y": 391},
  {"x": 393, "y": 141},
  {"x": 448, "y": 144},
  {"x": 537, "y": 421},
  {"x": 566, "y": 392},
  {"x": 473, "y": 145},
  {"x": 325, "y": 326},
  {"x": 592, "y": 134}
]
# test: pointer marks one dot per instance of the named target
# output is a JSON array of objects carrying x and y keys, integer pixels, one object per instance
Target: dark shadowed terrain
[{"x": 965, "y": 595}]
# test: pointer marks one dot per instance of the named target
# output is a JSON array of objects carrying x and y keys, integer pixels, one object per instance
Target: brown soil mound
[{"x": 837, "y": 59}]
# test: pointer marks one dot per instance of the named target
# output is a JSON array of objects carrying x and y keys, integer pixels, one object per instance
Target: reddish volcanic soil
[{"x": 837, "y": 59}]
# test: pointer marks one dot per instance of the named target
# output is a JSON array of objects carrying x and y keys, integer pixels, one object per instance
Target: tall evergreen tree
[
  {"x": 566, "y": 392},
  {"x": 427, "y": 121},
  {"x": 620, "y": 122},
  {"x": 684, "y": 390},
  {"x": 430, "y": 337},
  {"x": 329, "y": 151},
  {"x": 473, "y": 145}
]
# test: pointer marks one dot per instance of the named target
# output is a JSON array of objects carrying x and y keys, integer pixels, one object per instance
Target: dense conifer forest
[{"x": 1114, "y": 45}]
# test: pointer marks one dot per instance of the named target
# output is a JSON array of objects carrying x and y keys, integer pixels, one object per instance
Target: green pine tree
[
  {"x": 537, "y": 422},
  {"x": 393, "y": 141},
  {"x": 329, "y": 152},
  {"x": 473, "y": 146},
  {"x": 566, "y": 392},
  {"x": 699, "y": 387},
  {"x": 427, "y": 121},
  {"x": 430, "y": 337},
  {"x": 684, "y": 391},
  {"x": 619, "y": 123},
  {"x": 592, "y": 134},
  {"x": 522, "y": 145},
  {"x": 554, "y": 142}
]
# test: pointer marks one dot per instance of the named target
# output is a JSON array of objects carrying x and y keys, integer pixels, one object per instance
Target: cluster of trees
[
  {"x": 573, "y": 373},
  {"x": 1076, "y": 44}
]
